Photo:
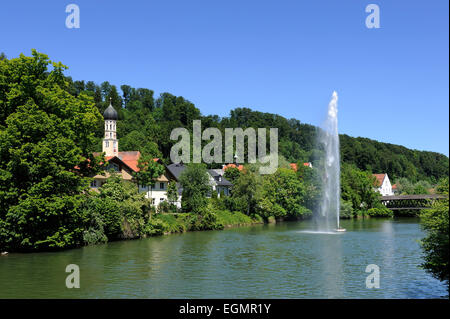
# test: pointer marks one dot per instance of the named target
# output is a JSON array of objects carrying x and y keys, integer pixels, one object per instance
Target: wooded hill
[{"x": 146, "y": 122}]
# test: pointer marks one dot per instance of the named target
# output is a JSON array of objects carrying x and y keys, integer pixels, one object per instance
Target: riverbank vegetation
[
  {"x": 436, "y": 244},
  {"x": 50, "y": 125}
]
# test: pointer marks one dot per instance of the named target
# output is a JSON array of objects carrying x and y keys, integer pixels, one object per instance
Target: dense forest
[{"x": 146, "y": 122}]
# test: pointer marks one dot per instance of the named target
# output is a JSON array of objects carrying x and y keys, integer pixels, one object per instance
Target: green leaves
[
  {"x": 196, "y": 187},
  {"x": 436, "y": 244},
  {"x": 46, "y": 135}
]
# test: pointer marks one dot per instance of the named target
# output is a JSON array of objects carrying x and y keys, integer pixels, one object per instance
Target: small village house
[{"x": 383, "y": 184}]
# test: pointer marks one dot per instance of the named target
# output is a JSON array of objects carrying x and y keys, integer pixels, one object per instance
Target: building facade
[{"x": 383, "y": 184}]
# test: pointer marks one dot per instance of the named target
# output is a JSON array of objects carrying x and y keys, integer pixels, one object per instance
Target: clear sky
[{"x": 283, "y": 57}]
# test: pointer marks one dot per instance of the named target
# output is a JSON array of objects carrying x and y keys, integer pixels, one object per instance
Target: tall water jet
[{"x": 331, "y": 191}]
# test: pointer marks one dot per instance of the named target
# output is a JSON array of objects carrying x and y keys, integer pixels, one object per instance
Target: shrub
[
  {"x": 346, "y": 210},
  {"x": 155, "y": 227},
  {"x": 379, "y": 212},
  {"x": 205, "y": 219}
]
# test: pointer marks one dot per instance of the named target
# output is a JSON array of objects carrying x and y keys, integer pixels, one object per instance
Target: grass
[{"x": 228, "y": 218}]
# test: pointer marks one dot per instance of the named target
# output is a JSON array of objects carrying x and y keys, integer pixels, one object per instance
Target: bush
[
  {"x": 155, "y": 227},
  {"x": 379, "y": 212},
  {"x": 435, "y": 245},
  {"x": 228, "y": 218},
  {"x": 346, "y": 210},
  {"x": 94, "y": 236},
  {"x": 205, "y": 219},
  {"x": 173, "y": 223}
]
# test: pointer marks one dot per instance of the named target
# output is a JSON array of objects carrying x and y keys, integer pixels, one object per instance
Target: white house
[
  {"x": 383, "y": 185},
  {"x": 219, "y": 183}
]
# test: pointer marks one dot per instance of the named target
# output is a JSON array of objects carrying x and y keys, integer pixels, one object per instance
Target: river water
[{"x": 262, "y": 261}]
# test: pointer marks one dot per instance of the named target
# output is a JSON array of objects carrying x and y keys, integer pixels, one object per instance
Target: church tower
[{"x": 110, "y": 142}]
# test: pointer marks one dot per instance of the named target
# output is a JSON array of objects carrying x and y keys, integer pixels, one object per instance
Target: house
[
  {"x": 126, "y": 163},
  {"x": 216, "y": 179},
  {"x": 383, "y": 184},
  {"x": 219, "y": 183}
]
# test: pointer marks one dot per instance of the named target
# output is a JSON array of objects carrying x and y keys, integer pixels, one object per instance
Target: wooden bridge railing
[{"x": 410, "y": 202}]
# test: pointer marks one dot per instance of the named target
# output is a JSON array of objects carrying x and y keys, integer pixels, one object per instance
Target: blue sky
[{"x": 283, "y": 57}]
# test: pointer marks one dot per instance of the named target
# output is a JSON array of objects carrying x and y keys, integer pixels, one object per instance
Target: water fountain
[{"x": 328, "y": 219}]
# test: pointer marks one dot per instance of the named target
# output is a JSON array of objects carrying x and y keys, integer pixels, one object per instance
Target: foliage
[
  {"x": 346, "y": 209},
  {"x": 232, "y": 173},
  {"x": 406, "y": 187},
  {"x": 436, "y": 244},
  {"x": 282, "y": 194},
  {"x": 357, "y": 187},
  {"x": 172, "y": 192},
  {"x": 118, "y": 211},
  {"x": 379, "y": 212},
  {"x": 149, "y": 171},
  {"x": 228, "y": 218},
  {"x": 196, "y": 187},
  {"x": 245, "y": 190},
  {"x": 204, "y": 219},
  {"x": 46, "y": 138},
  {"x": 149, "y": 122}
]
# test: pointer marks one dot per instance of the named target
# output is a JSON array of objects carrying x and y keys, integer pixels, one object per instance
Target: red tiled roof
[
  {"x": 239, "y": 167},
  {"x": 394, "y": 186},
  {"x": 295, "y": 167},
  {"x": 131, "y": 159},
  {"x": 379, "y": 179}
]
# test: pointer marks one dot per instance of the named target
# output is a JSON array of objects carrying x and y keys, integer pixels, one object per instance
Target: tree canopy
[{"x": 46, "y": 135}]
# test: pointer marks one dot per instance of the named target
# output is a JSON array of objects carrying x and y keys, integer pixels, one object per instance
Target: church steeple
[{"x": 110, "y": 142}]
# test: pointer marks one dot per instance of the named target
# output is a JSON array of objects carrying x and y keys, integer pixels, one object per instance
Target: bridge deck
[{"x": 405, "y": 197}]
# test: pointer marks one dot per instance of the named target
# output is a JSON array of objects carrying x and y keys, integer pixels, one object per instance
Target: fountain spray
[{"x": 329, "y": 137}]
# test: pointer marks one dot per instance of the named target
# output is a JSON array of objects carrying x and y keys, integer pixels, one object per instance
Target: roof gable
[{"x": 379, "y": 179}]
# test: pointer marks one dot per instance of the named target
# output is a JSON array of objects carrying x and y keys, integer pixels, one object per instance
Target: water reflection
[{"x": 266, "y": 261}]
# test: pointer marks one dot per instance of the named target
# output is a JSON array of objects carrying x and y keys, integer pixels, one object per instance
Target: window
[
  {"x": 153, "y": 201},
  {"x": 161, "y": 185},
  {"x": 94, "y": 183},
  {"x": 107, "y": 144},
  {"x": 161, "y": 199}
]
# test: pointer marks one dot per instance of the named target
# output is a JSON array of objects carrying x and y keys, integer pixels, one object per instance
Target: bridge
[{"x": 410, "y": 202}]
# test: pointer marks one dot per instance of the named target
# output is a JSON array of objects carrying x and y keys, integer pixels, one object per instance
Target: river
[{"x": 262, "y": 261}]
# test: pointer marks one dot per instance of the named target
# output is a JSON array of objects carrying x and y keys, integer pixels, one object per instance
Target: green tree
[
  {"x": 195, "y": 182},
  {"x": 172, "y": 192},
  {"x": 436, "y": 244},
  {"x": 149, "y": 171},
  {"x": 118, "y": 211},
  {"x": 46, "y": 135},
  {"x": 358, "y": 187},
  {"x": 246, "y": 189},
  {"x": 282, "y": 195},
  {"x": 232, "y": 173}
]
